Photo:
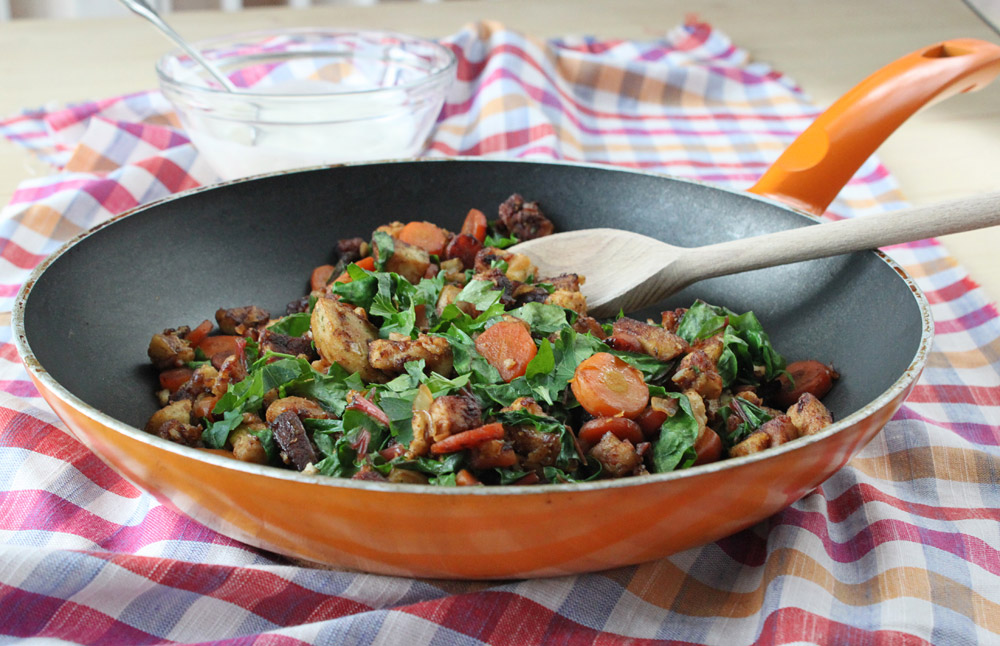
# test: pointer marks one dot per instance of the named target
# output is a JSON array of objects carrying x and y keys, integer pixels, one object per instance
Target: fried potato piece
[
  {"x": 697, "y": 371},
  {"x": 247, "y": 447},
  {"x": 173, "y": 422},
  {"x": 618, "y": 458},
  {"x": 809, "y": 415},
  {"x": 342, "y": 336},
  {"x": 392, "y": 355},
  {"x": 570, "y": 300},
  {"x": 170, "y": 349},
  {"x": 452, "y": 414},
  {"x": 409, "y": 261},
  {"x": 772, "y": 433}
]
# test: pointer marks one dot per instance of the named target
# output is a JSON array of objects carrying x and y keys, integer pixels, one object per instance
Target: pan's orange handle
[{"x": 814, "y": 168}]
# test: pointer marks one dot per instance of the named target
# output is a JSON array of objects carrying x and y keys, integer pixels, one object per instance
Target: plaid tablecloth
[{"x": 899, "y": 547}]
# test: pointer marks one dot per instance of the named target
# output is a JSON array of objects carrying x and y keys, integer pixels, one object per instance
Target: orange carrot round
[
  {"x": 475, "y": 225},
  {"x": 464, "y": 478},
  {"x": 366, "y": 263},
  {"x": 320, "y": 277},
  {"x": 223, "y": 343},
  {"x": 468, "y": 439},
  {"x": 806, "y": 377},
  {"x": 621, "y": 427},
  {"x": 508, "y": 347},
  {"x": 708, "y": 447},
  {"x": 650, "y": 420},
  {"x": 606, "y": 386},
  {"x": 196, "y": 335},
  {"x": 429, "y": 237},
  {"x": 174, "y": 378},
  {"x": 203, "y": 407}
]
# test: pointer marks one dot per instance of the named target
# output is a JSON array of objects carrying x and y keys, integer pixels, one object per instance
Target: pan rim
[{"x": 905, "y": 381}]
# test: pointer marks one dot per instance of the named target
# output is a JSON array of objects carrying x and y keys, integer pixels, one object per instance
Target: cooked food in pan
[{"x": 427, "y": 356}]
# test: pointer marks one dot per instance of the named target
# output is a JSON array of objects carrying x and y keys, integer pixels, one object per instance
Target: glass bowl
[{"x": 308, "y": 97}]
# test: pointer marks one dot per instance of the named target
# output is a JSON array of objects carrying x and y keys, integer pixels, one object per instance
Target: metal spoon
[
  {"x": 628, "y": 271},
  {"x": 144, "y": 9}
]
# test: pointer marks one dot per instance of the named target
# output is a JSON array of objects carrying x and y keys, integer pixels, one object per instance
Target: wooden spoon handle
[{"x": 844, "y": 236}]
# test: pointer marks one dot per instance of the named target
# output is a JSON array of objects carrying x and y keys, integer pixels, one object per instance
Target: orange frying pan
[{"x": 85, "y": 317}]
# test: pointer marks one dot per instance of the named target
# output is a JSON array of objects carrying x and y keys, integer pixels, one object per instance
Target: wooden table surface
[{"x": 948, "y": 151}]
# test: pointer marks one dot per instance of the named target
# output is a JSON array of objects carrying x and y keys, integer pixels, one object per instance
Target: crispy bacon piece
[
  {"x": 285, "y": 344},
  {"x": 655, "y": 341},
  {"x": 523, "y": 220},
  {"x": 240, "y": 320}
]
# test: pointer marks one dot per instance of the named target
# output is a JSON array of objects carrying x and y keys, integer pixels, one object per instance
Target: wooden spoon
[{"x": 628, "y": 271}]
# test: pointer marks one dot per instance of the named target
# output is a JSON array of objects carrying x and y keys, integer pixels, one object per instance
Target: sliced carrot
[
  {"x": 366, "y": 263},
  {"x": 320, "y": 277},
  {"x": 508, "y": 347},
  {"x": 621, "y": 427},
  {"x": 806, "y": 377},
  {"x": 468, "y": 439},
  {"x": 221, "y": 344},
  {"x": 426, "y": 235},
  {"x": 464, "y": 478},
  {"x": 196, "y": 335},
  {"x": 606, "y": 386},
  {"x": 203, "y": 407},
  {"x": 650, "y": 420},
  {"x": 175, "y": 378},
  {"x": 708, "y": 447},
  {"x": 475, "y": 225},
  {"x": 653, "y": 416}
]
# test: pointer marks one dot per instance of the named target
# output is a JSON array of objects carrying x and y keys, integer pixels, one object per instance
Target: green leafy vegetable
[
  {"x": 751, "y": 416},
  {"x": 567, "y": 453},
  {"x": 384, "y": 246},
  {"x": 292, "y": 325},
  {"x": 481, "y": 294},
  {"x": 500, "y": 242},
  {"x": 448, "y": 464},
  {"x": 391, "y": 300},
  {"x": 339, "y": 440},
  {"x": 674, "y": 449},
  {"x": 361, "y": 290},
  {"x": 543, "y": 319},
  {"x": 745, "y": 343}
]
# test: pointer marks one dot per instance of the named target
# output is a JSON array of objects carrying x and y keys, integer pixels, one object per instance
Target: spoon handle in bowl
[
  {"x": 844, "y": 236},
  {"x": 145, "y": 10}
]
